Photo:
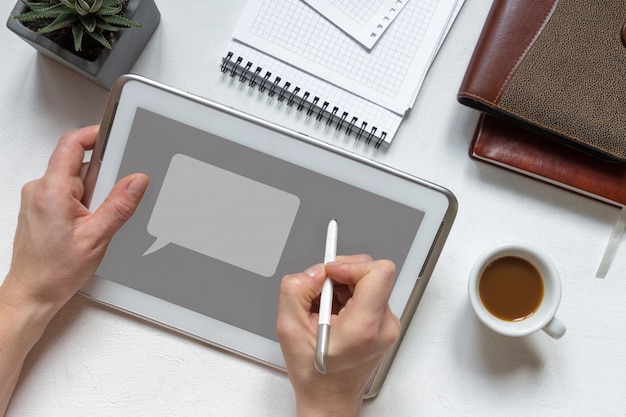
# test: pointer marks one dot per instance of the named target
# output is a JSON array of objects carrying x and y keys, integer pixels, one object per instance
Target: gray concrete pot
[{"x": 112, "y": 62}]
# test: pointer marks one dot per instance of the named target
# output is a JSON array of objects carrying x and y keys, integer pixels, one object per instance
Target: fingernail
[
  {"x": 314, "y": 270},
  {"x": 137, "y": 186}
]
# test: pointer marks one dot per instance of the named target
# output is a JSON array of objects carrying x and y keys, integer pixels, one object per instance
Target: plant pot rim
[
  {"x": 66, "y": 54},
  {"x": 111, "y": 63}
]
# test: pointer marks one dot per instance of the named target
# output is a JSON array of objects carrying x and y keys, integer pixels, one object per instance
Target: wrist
[
  {"x": 328, "y": 395},
  {"x": 325, "y": 411},
  {"x": 336, "y": 407},
  {"x": 22, "y": 314}
]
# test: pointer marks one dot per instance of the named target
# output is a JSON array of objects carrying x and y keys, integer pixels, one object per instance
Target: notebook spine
[{"x": 304, "y": 101}]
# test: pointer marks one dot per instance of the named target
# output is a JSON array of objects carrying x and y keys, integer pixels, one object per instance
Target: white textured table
[{"x": 95, "y": 361}]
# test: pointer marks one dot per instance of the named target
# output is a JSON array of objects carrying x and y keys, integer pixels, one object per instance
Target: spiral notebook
[{"x": 292, "y": 52}]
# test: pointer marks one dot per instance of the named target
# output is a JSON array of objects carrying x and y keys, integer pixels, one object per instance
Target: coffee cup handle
[{"x": 555, "y": 328}]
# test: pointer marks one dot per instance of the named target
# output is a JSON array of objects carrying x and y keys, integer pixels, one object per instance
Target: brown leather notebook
[
  {"x": 500, "y": 143},
  {"x": 556, "y": 67}
]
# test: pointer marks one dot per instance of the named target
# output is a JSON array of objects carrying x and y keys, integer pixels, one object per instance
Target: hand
[
  {"x": 59, "y": 243},
  {"x": 58, "y": 246},
  {"x": 361, "y": 331}
]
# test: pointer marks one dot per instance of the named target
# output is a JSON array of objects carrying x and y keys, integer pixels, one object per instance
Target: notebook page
[
  {"x": 451, "y": 18},
  {"x": 376, "y": 116},
  {"x": 365, "y": 21},
  {"x": 390, "y": 74}
]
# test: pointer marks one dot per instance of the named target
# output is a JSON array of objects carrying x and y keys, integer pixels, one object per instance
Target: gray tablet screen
[{"x": 221, "y": 223}]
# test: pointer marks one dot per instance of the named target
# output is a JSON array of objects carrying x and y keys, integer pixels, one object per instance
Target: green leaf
[
  {"x": 36, "y": 6},
  {"x": 70, "y": 4},
  {"x": 121, "y": 22},
  {"x": 105, "y": 26},
  {"x": 60, "y": 22},
  {"x": 97, "y": 4},
  {"x": 89, "y": 22},
  {"x": 100, "y": 38},
  {"x": 38, "y": 15},
  {"x": 42, "y": 13},
  {"x": 82, "y": 7},
  {"x": 110, "y": 10},
  {"x": 113, "y": 3},
  {"x": 78, "y": 32}
]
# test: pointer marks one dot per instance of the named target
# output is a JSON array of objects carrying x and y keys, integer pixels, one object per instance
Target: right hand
[{"x": 361, "y": 331}]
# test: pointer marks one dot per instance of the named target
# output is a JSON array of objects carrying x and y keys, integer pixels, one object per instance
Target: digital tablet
[{"x": 234, "y": 204}]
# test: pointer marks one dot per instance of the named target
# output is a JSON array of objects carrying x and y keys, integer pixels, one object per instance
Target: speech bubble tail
[{"x": 158, "y": 244}]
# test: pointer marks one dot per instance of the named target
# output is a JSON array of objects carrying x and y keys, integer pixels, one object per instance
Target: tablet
[{"x": 234, "y": 204}]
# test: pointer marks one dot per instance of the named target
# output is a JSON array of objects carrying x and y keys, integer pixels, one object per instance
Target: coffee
[{"x": 511, "y": 288}]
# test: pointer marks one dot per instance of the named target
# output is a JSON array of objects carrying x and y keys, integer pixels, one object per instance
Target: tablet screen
[{"x": 222, "y": 223}]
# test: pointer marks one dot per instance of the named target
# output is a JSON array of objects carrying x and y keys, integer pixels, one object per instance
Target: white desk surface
[{"x": 96, "y": 361}]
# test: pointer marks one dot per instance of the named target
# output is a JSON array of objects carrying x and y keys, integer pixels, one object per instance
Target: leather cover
[
  {"x": 512, "y": 147},
  {"x": 556, "y": 67}
]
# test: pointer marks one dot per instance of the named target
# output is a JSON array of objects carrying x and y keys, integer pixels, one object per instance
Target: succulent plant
[{"x": 93, "y": 17}]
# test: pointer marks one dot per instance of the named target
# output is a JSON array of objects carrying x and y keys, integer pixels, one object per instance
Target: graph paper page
[
  {"x": 365, "y": 21},
  {"x": 390, "y": 74}
]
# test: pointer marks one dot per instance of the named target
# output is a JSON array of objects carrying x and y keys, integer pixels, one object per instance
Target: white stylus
[{"x": 326, "y": 300}]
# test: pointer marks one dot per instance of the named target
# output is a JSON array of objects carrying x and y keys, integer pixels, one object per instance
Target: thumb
[
  {"x": 295, "y": 298},
  {"x": 297, "y": 291},
  {"x": 121, "y": 203}
]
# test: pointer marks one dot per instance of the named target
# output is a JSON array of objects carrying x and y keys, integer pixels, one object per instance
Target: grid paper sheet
[
  {"x": 365, "y": 21},
  {"x": 390, "y": 74}
]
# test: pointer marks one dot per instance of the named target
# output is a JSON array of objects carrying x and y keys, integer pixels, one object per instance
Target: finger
[
  {"x": 120, "y": 204},
  {"x": 67, "y": 157},
  {"x": 390, "y": 331},
  {"x": 342, "y": 294},
  {"x": 362, "y": 257},
  {"x": 83, "y": 171},
  {"x": 296, "y": 296},
  {"x": 298, "y": 291},
  {"x": 373, "y": 281}
]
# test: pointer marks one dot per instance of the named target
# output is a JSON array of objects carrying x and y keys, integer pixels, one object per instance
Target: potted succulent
[{"x": 100, "y": 39}]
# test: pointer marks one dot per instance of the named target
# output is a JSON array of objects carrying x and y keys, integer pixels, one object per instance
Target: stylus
[{"x": 326, "y": 300}]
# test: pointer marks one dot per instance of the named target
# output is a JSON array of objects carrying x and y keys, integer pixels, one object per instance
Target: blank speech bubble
[{"x": 223, "y": 215}]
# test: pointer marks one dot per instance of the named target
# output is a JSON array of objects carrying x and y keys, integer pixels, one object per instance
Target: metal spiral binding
[{"x": 313, "y": 106}]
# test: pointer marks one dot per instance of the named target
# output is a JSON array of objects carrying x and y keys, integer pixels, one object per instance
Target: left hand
[{"x": 59, "y": 243}]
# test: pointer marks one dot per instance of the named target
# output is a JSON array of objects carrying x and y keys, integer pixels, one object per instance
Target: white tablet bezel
[{"x": 132, "y": 92}]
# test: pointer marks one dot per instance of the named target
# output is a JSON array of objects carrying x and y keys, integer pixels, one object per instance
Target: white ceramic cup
[{"x": 544, "y": 317}]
